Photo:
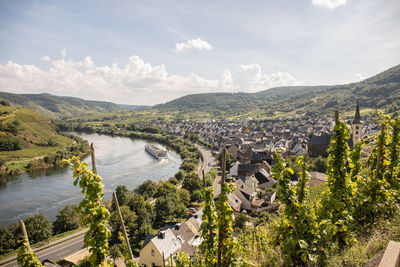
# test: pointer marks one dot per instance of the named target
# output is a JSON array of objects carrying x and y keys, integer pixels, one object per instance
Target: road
[
  {"x": 208, "y": 161},
  {"x": 56, "y": 252}
]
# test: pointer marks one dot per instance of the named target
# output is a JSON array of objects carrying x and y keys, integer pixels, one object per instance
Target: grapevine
[{"x": 93, "y": 214}]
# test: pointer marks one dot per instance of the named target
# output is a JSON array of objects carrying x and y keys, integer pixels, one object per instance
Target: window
[
  {"x": 153, "y": 253},
  {"x": 356, "y": 132},
  {"x": 357, "y": 127}
]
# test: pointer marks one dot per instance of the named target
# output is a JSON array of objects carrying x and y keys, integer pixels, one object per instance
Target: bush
[
  {"x": 67, "y": 220},
  {"x": 38, "y": 228}
]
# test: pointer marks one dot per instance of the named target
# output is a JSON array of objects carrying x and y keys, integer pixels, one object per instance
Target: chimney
[{"x": 161, "y": 234}]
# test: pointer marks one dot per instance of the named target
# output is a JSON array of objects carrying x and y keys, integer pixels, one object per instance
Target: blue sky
[{"x": 149, "y": 52}]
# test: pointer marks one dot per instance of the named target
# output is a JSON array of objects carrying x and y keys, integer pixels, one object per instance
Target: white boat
[{"x": 156, "y": 152}]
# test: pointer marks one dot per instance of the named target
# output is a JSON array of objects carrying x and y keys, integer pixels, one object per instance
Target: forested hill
[
  {"x": 378, "y": 92},
  {"x": 59, "y": 106}
]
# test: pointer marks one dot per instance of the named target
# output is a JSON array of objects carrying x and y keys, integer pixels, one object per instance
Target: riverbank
[{"x": 34, "y": 159}]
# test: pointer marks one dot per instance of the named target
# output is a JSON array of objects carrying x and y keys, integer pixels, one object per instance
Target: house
[
  {"x": 318, "y": 145},
  {"x": 264, "y": 179},
  {"x": 158, "y": 249},
  {"x": 245, "y": 194}
]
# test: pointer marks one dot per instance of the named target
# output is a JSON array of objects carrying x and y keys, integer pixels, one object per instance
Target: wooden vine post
[
  {"x": 123, "y": 227},
  {"x": 93, "y": 158},
  {"x": 220, "y": 235},
  {"x": 23, "y": 228}
]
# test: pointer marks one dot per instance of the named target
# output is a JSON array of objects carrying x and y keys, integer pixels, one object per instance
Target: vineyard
[{"x": 332, "y": 227}]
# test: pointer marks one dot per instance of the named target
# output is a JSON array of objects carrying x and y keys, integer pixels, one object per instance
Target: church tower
[{"x": 357, "y": 126}]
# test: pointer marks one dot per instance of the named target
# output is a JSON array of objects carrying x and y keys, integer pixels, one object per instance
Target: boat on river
[{"x": 156, "y": 152}]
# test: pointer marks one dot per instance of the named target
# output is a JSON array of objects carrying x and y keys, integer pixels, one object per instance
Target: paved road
[
  {"x": 57, "y": 252},
  {"x": 208, "y": 161}
]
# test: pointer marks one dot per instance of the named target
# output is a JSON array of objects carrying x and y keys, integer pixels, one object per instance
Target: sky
[{"x": 150, "y": 52}]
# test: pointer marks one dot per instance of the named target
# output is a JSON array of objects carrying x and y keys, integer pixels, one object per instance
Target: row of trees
[{"x": 39, "y": 228}]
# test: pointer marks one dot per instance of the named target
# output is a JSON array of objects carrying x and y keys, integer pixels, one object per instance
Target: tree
[
  {"x": 229, "y": 159},
  {"x": 192, "y": 182},
  {"x": 129, "y": 220},
  {"x": 184, "y": 196},
  {"x": 66, "y": 220},
  {"x": 38, "y": 228},
  {"x": 7, "y": 241},
  {"x": 169, "y": 208},
  {"x": 123, "y": 195},
  {"x": 165, "y": 189},
  {"x": 320, "y": 164},
  {"x": 147, "y": 189},
  {"x": 143, "y": 210}
]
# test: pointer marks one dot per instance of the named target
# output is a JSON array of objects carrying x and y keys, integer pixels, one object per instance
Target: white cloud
[
  {"x": 64, "y": 53},
  {"x": 251, "y": 79},
  {"x": 331, "y": 4},
  {"x": 192, "y": 44},
  {"x": 45, "y": 58},
  {"x": 137, "y": 82},
  {"x": 359, "y": 77}
]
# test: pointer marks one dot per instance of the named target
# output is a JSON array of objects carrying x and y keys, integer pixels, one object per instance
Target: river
[{"x": 120, "y": 161}]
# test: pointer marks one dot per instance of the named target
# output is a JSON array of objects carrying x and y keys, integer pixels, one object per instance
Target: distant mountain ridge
[
  {"x": 381, "y": 91},
  {"x": 59, "y": 106}
]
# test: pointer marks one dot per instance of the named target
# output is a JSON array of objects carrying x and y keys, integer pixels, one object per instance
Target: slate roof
[
  {"x": 323, "y": 139},
  {"x": 169, "y": 244}
]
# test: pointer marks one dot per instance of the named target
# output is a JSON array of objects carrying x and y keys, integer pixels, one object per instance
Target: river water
[{"x": 120, "y": 161}]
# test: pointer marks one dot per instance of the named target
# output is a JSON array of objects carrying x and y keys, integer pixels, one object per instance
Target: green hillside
[
  {"x": 379, "y": 92},
  {"x": 28, "y": 138},
  {"x": 59, "y": 106}
]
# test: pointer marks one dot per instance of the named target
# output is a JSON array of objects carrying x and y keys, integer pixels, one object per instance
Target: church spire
[{"x": 357, "y": 117}]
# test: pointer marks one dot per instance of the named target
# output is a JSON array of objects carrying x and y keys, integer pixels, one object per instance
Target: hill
[
  {"x": 29, "y": 140},
  {"x": 59, "y": 106},
  {"x": 379, "y": 92}
]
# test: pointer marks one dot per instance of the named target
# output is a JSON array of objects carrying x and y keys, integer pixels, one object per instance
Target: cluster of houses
[
  {"x": 247, "y": 139},
  {"x": 251, "y": 144}
]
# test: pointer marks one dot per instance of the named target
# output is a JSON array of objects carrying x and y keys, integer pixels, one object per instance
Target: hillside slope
[
  {"x": 59, "y": 106},
  {"x": 379, "y": 92},
  {"x": 27, "y": 136}
]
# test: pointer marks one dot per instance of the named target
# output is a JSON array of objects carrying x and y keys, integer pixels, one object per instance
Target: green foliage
[
  {"x": 66, "y": 220},
  {"x": 319, "y": 164},
  {"x": 125, "y": 253},
  {"x": 192, "y": 182},
  {"x": 379, "y": 190},
  {"x": 298, "y": 228},
  {"x": 26, "y": 257},
  {"x": 123, "y": 195},
  {"x": 9, "y": 143},
  {"x": 226, "y": 244},
  {"x": 209, "y": 228},
  {"x": 338, "y": 197},
  {"x": 93, "y": 214},
  {"x": 169, "y": 208},
  {"x": 7, "y": 241},
  {"x": 229, "y": 159},
  {"x": 130, "y": 220},
  {"x": 240, "y": 221},
  {"x": 38, "y": 228},
  {"x": 147, "y": 189}
]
